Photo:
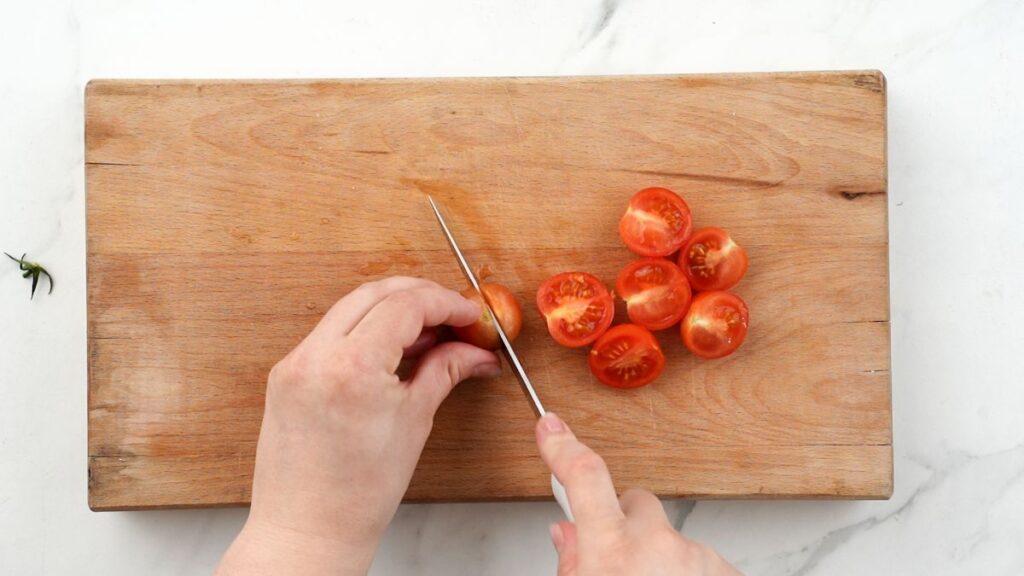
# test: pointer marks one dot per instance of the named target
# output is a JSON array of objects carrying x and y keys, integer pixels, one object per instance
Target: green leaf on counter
[{"x": 34, "y": 270}]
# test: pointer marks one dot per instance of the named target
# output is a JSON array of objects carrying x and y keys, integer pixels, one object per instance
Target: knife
[{"x": 506, "y": 347}]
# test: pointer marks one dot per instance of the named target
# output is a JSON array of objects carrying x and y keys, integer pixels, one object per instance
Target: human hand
[
  {"x": 614, "y": 536},
  {"x": 342, "y": 433}
]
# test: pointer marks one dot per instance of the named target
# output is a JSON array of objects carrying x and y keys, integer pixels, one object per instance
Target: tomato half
[
  {"x": 712, "y": 261},
  {"x": 627, "y": 356},
  {"x": 656, "y": 223},
  {"x": 716, "y": 324},
  {"x": 577, "y": 307},
  {"x": 482, "y": 332},
  {"x": 656, "y": 292}
]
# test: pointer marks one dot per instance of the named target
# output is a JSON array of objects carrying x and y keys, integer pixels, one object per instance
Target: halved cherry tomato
[
  {"x": 712, "y": 261},
  {"x": 656, "y": 223},
  {"x": 577, "y": 308},
  {"x": 482, "y": 333},
  {"x": 656, "y": 292},
  {"x": 716, "y": 324},
  {"x": 627, "y": 356}
]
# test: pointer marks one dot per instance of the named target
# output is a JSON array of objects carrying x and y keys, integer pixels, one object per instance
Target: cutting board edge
[
  {"x": 113, "y": 506},
  {"x": 882, "y": 489},
  {"x": 877, "y": 83}
]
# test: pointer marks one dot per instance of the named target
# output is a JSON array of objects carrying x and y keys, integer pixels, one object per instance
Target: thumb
[
  {"x": 563, "y": 536},
  {"x": 446, "y": 365}
]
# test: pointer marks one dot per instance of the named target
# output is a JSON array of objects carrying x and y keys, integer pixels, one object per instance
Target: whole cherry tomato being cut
[
  {"x": 656, "y": 223},
  {"x": 627, "y": 356},
  {"x": 577, "y": 308},
  {"x": 716, "y": 324},
  {"x": 656, "y": 292},
  {"x": 482, "y": 333},
  {"x": 712, "y": 261}
]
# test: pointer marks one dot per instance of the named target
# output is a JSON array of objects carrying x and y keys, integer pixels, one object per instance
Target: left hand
[{"x": 342, "y": 433}]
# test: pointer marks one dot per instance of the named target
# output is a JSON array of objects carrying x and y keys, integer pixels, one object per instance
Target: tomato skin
[
  {"x": 657, "y": 222},
  {"x": 711, "y": 260},
  {"x": 656, "y": 292},
  {"x": 482, "y": 332},
  {"x": 716, "y": 324},
  {"x": 576, "y": 306},
  {"x": 626, "y": 356}
]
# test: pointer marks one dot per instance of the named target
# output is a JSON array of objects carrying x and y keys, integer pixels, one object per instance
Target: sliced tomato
[
  {"x": 716, "y": 324},
  {"x": 656, "y": 292},
  {"x": 482, "y": 332},
  {"x": 627, "y": 356},
  {"x": 712, "y": 261},
  {"x": 577, "y": 308},
  {"x": 656, "y": 223}
]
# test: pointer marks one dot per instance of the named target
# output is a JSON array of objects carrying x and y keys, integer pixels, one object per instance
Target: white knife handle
[{"x": 560, "y": 496}]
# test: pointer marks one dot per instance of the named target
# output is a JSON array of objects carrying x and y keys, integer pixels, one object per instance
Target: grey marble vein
[
  {"x": 606, "y": 12},
  {"x": 955, "y": 463}
]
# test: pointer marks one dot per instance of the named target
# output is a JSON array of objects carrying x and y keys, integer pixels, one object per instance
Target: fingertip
[
  {"x": 475, "y": 309},
  {"x": 550, "y": 424},
  {"x": 565, "y": 545},
  {"x": 471, "y": 358},
  {"x": 446, "y": 365},
  {"x": 466, "y": 313},
  {"x": 486, "y": 370},
  {"x": 553, "y": 423},
  {"x": 557, "y": 536}
]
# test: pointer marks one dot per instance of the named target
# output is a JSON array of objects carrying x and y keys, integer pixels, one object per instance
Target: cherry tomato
[
  {"x": 627, "y": 356},
  {"x": 656, "y": 292},
  {"x": 656, "y": 223},
  {"x": 482, "y": 332},
  {"x": 577, "y": 308},
  {"x": 712, "y": 261},
  {"x": 716, "y": 324}
]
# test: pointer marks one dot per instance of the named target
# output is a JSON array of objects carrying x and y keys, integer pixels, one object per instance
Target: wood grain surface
[{"x": 225, "y": 217}]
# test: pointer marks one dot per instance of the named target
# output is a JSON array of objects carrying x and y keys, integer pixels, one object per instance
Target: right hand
[{"x": 612, "y": 535}]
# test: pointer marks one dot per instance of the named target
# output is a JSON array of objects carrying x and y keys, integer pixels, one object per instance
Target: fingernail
[
  {"x": 552, "y": 423},
  {"x": 557, "y": 536},
  {"x": 489, "y": 370}
]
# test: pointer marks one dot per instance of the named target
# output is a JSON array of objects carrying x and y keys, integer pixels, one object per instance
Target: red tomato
[
  {"x": 716, "y": 324},
  {"x": 577, "y": 308},
  {"x": 482, "y": 332},
  {"x": 656, "y": 223},
  {"x": 656, "y": 292},
  {"x": 627, "y": 356},
  {"x": 712, "y": 261}
]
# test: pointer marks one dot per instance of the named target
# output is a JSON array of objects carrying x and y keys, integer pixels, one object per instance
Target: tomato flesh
[
  {"x": 716, "y": 324},
  {"x": 482, "y": 332},
  {"x": 577, "y": 308},
  {"x": 627, "y": 356},
  {"x": 656, "y": 292},
  {"x": 657, "y": 222},
  {"x": 711, "y": 260}
]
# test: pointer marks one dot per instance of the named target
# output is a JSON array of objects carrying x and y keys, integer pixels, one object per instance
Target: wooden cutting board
[{"x": 225, "y": 217}]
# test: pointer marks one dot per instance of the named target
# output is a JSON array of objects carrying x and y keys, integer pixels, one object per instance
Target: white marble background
[{"x": 956, "y": 112}]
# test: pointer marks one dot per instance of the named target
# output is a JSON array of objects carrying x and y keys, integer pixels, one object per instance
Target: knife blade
[{"x": 506, "y": 347}]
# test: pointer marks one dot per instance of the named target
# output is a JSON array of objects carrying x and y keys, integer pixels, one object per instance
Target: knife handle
[{"x": 560, "y": 496}]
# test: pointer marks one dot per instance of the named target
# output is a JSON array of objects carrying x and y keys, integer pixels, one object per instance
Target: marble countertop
[{"x": 956, "y": 110}]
